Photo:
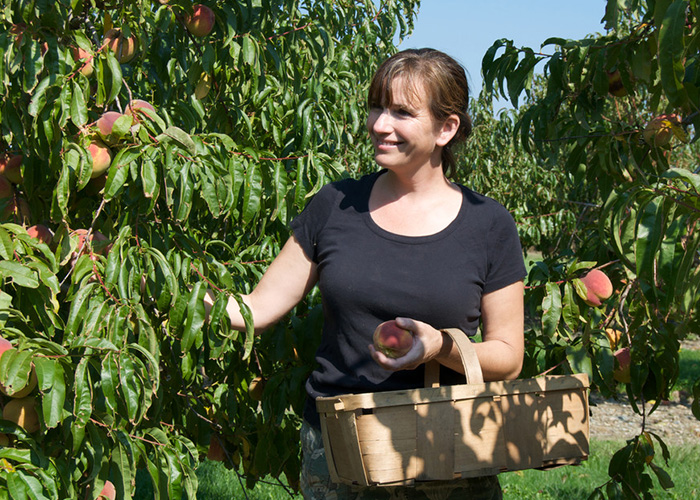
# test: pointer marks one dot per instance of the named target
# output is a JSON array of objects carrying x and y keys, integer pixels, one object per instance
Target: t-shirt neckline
[{"x": 376, "y": 228}]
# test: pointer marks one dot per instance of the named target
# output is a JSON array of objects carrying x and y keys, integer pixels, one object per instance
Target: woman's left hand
[{"x": 427, "y": 344}]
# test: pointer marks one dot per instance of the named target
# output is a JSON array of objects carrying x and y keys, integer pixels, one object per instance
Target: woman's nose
[{"x": 379, "y": 120}]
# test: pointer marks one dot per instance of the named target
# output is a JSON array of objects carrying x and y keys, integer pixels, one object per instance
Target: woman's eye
[{"x": 404, "y": 112}]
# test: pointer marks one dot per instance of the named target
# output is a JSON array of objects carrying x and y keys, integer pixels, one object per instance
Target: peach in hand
[{"x": 392, "y": 340}]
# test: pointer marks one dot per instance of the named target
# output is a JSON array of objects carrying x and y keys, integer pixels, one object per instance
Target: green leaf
[
  {"x": 149, "y": 179},
  {"x": 82, "y": 403},
  {"x": 680, "y": 173},
  {"x": 109, "y": 376},
  {"x": 579, "y": 360},
  {"x": 7, "y": 249},
  {"x": 551, "y": 309},
  {"x": 664, "y": 478},
  {"x": 15, "y": 370},
  {"x": 649, "y": 236},
  {"x": 78, "y": 109},
  {"x": 113, "y": 82},
  {"x": 196, "y": 313},
  {"x": 18, "y": 274},
  {"x": 52, "y": 383},
  {"x": 672, "y": 52},
  {"x": 249, "y": 326},
  {"x": 79, "y": 306},
  {"x": 180, "y": 137},
  {"x": 252, "y": 192},
  {"x": 131, "y": 386}
]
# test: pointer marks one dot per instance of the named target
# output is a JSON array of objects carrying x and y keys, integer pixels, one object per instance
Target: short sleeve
[
  {"x": 308, "y": 224},
  {"x": 505, "y": 256}
]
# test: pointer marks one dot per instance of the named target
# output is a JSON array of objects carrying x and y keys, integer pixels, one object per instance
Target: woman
[{"x": 403, "y": 243}]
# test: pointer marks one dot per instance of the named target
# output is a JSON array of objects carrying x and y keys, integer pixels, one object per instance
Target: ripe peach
[
  {"x": 392, "y": 340},
  {"x": 84, "y": 60},
  {"x": 41, "y": 233},
  {"x": 124, "y": 48},
  {"x": 6, "y": 189},
  {"x": 201, "y": 22},
  {"x": 598, "y": 287},
  {"x": 138, "y": 107},
  {"x": 659, "y": 131},
  {"x": 216, "y": 451},
  {"x": 11, "y": 167},
  {"x": 23, "y": 413},
  {"x": 623, "y": 360},
  {"x": 98, "y": 241},
  {"x": 105, "y": 126},
  {"x": 17, "y": 210},
  {"x": 101, "y": 157},
  {"x": 109, "y": 492}
]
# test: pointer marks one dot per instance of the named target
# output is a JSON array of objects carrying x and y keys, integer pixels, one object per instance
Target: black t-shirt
[{"x": 368, "y": 275}]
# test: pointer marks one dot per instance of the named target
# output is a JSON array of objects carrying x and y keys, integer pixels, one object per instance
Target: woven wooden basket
[{"x": 441, "y": 433}]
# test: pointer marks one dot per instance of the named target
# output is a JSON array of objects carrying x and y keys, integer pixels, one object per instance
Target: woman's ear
[{"x": 448, "y": 130}]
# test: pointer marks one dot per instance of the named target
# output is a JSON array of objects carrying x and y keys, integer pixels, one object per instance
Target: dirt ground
[{"x": 673, "y": 421}]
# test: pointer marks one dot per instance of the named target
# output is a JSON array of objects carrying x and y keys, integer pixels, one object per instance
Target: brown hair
[{"x": 444, "y": 81}]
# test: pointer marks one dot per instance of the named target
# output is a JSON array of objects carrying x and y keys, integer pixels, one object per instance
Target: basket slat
[{"x": 435, "y": 440}]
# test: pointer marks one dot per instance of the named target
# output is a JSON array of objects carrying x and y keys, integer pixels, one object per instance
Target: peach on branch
[
  {"x": 101, "y": 157},
  {"x": 392, "y": 340},
  {"x": 615, "y": 85},
  {"x": 216, "y": 451},
  {"x": 256, "y": 388},
  {"x": 623, "y": 360},
  {"x": 139, "y": 107},
  {"x": 108, "y": 492},
  {"x": 84, "y": 60},
  {"x": 659, "y": 131},
  {"x": 23, "y": 413},
  {"x": 598, "y": 287},
  {"x": 11, "y": 167},
  {"x": 105, "y": 126},
  {"x": 124, "y": 48},
  {"x": 201, "y": 22},
  {"x": 97, "y": 243},
  {"x": 40, "y": 232},
  {"x": 6, "y": 189},
  {"x": 17, "y": 210}
]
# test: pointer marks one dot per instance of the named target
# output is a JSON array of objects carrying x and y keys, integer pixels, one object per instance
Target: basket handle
[{"x": 472, "y": 368}]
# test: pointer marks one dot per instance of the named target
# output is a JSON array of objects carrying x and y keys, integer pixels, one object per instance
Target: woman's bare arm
[{"x": 285, "y": 283}]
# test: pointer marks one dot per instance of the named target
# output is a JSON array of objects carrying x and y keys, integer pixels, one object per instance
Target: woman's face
[{"x": 405, "y": 134}]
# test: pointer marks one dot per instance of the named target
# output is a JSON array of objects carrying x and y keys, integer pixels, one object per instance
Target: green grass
[
  {"x": 216, "y": 482},
  {"x": 689, "y": 370},
  {"x": 577, "y": 482}
]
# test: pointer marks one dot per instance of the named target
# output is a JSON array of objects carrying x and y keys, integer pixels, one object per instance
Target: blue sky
[{"x": 465, "y": 29}]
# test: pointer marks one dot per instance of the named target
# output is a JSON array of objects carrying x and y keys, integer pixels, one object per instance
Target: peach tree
[
  {"x": 616, "y": 115},
  {"x": 150, "y": 150}
]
